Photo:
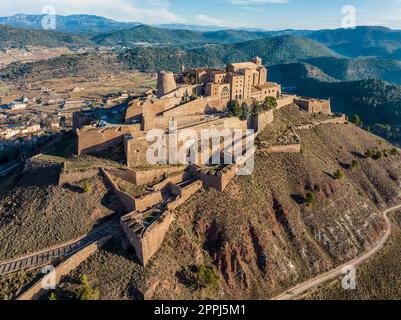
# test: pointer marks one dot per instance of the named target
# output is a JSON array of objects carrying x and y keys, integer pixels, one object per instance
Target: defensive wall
[
  {"x": 99, "y": 139},
  {"x": 217, "y": 179},
  {"x": 37, "y": 291}
]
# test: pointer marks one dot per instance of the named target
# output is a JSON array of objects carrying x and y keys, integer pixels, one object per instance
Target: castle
[{"x": 197, "y": 104}]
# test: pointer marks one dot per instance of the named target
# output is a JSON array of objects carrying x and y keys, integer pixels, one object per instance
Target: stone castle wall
[
  {"x": 127, "y": 200},
  {"x": 260, "y": 121},
  {"x": 148, "y": 201},
  {"x": 149, "y": 176},
  {"x": 218, "y": 181},
  {"x": 314, "y": 105},
  {"x": 147, "y": 245},
  {"x": 73, "y": 176},
  {"x": 185, "y": 194},
  {"x": 97, "y": 140}
]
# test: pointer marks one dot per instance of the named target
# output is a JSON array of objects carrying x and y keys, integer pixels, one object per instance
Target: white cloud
[{"x": 146, "y": 11}]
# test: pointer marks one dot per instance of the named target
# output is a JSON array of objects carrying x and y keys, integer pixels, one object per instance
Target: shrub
[
  {"x": 317, "y": 188},
  {"x": 355, "y": 164},
  {"x": 394, "y": 152},
  {"x": 378, "y": 155},
  {"x": 356, "y": 120},
  {"x": 202, "y": 277},
  {"x": 85, "y": 291},
  {"x": 339, "y": 174},
  {"x": 86, "y": 186},
  {"x": 310, "y": 198},
  {"x": 368, "y": 153}
]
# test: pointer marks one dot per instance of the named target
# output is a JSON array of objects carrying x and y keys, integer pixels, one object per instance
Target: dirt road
[{"x": 292, "y": 293}]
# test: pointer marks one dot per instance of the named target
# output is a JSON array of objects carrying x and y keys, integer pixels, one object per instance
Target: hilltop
[
  {"x": 258, "y": 234},
  {"x": 12, "y": 37},
  {"x": 283, "y": 49}
]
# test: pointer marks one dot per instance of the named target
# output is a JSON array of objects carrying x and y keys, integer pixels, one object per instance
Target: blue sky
[{"x": 265, "y": 14}]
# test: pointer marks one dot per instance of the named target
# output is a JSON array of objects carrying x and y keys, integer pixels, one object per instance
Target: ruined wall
[
  {"x": 291, "y": 148},
  {"x": 126, "y": 199},
  {"x": 218, "y": 180},
  {"x": 72, "y": 176},
  {"x": 125, "y": 174}
]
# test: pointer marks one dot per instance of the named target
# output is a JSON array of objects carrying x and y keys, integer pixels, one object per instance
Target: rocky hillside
[{"x": 259, "y": 237}]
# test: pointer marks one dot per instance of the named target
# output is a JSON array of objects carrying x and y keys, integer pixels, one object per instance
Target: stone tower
[
  {"x": 257, "y": 60},
  {"x": 165, "y": 83}
]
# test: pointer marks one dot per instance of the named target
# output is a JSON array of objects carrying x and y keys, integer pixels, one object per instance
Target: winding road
[{"x": 292, "y": 293}]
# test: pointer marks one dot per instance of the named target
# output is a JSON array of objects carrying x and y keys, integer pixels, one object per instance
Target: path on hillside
[
  {"x": 337, "y": 272},
  {"x": 44, "y": 257}
]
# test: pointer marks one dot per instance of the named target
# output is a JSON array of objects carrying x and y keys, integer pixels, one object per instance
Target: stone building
[{"x": 240, "y": 81}]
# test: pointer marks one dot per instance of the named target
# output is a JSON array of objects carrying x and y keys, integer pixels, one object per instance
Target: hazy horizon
[{"x": 237, "y": 14}]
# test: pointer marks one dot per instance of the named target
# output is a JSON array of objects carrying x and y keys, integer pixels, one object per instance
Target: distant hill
[
  {"x": 361, "y": 41},
  {"x": 359, "y": 68},
  {"x": 291, "y": 75},
  {"x": 148, "y": 34},
  {"x": 283, "y": 49},
  {"x": 80, "y": 23},
  {"x": 12, "y": 37}
]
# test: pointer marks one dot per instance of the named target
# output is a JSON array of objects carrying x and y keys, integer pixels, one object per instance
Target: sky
[{"x": 262, "y": 14}]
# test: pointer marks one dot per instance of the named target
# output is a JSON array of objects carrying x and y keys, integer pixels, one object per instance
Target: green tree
[
  {"x": 339, "y": 174},
  {"x": 270, "y": 103},
  {"x": 355, "y": 164},
  {"x": 256, "y": 108},
  {"x": 356, "y": 119},
  {"x": 85, "y": 291},
  {"x": 378, "y": 155},
  {"x": 234, "y": 109},
  {"x": 245, "y": 111}
]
